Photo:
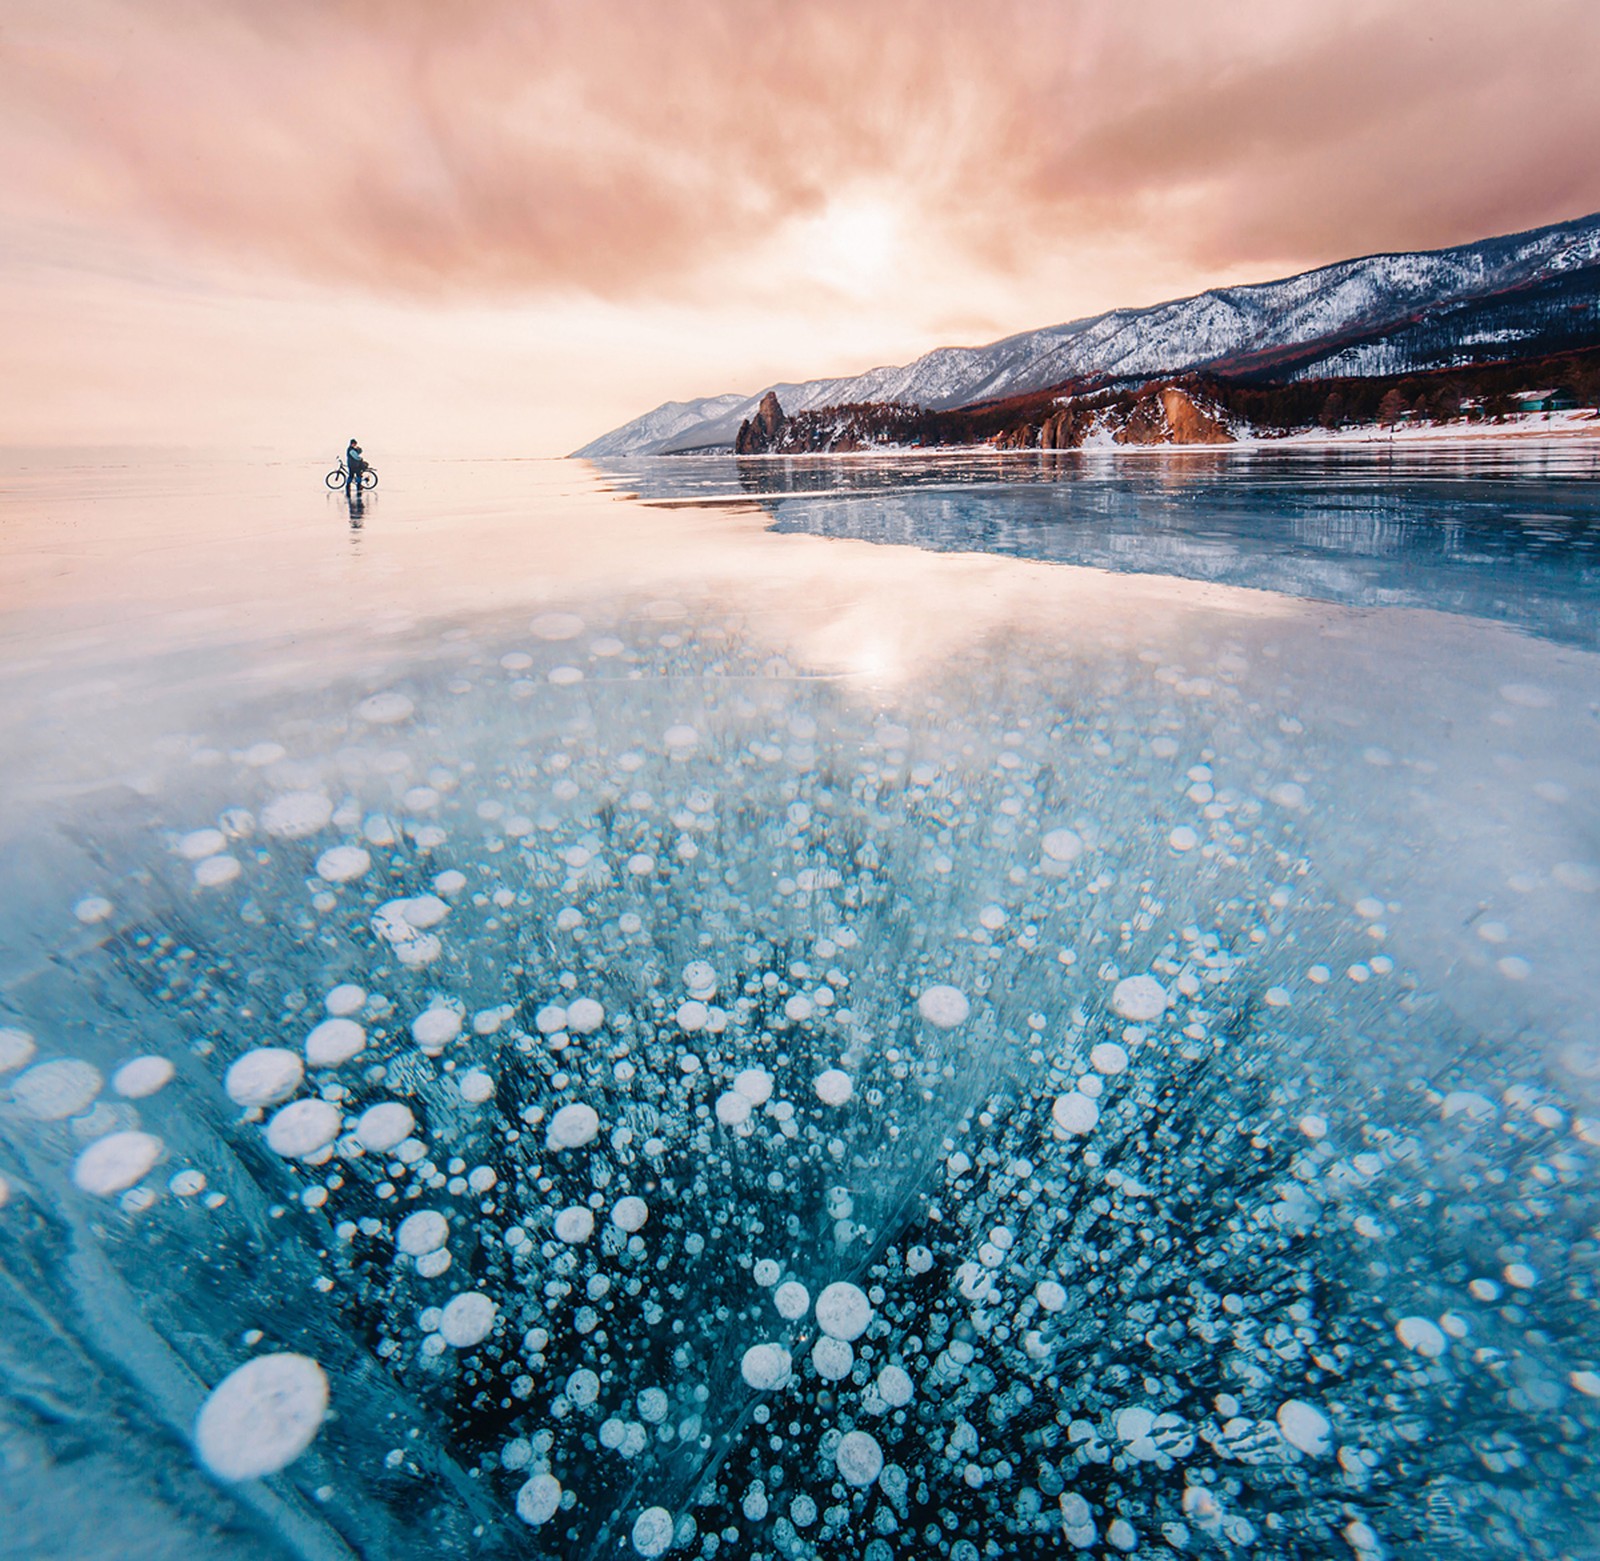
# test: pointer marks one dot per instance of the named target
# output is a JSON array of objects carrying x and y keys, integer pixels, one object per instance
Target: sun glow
[{"x": 851, "y": 245}]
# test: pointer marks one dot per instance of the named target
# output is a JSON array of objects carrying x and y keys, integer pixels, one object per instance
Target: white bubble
[
  {"x": 51, "y": 1091},
  {"x": 1139, "y": 998},
  {"x": 260, "y": 1418},
  {"x": 630, "y": 1214},
  {"x": 572, "y": 1127},
  {"x": 385, "y": 709},
  {"x": 680, "y": 738},
  {"x": 833, "y": 1087},
  {"x": 1305, "y": 1427},
  {"x": 1074, "y": 1113},
  {"x": 858, "y": 1458},
  {"x": 701, "y": 979},
  {"x": 141, "y": 1077},
  {"x": 1062, "y": 845},
  {"x": 943, "y": 1007},
  {"x": 584, "y": 1016},
  {"x": 1108, "y": 1058},
  {"x": 732, "y": 1108},
  {"x": 334, "y": 1042},
  {"x": 832, "y": 1359},
  {"x": 895, "y": 1387},
  {"x": 652, "y": 1532},
  {"x": 423, "y": 1232},
  {"x": 216, "y": 871},
  {"x": 766, "y": 1367},
  {"x": 1581, "y": 877},
  {"x": 303, "y": 1128},
  {"x": 1288, "y": 795},
  {"x": 574, "y": 1225},
  {"x": 264, "y": 1076},
  {"x": 200, "y": 843},
  {"x": 345, "y": 1000},
  {"x": 296, "y": 814},
  {"x": 792, "y": 1300},
  {"x": 113, "y": 1163},
  {"x": 475, "y": 1086},
  {"x": 467, "y": 1319},
  {"x": 340, "y": 864},
  {"x": 382, "y": 1127},
  {"x": 435, "y": 1028},
  {"x": 1422, "y": 1335},
  {"x": 422, "y": 911},
  {"x": 1183, "y": 838},
  {"x": 92, "y": 908},
  {"x": 1050, "y": 1296},
  {"x": 557, "y": 625},
  {"x": 843, "y": 1311},
  {"x": 16, "y": 1048},
  {"x": 755, "y": 1084},
  {"x": 538, "y": 1499}
]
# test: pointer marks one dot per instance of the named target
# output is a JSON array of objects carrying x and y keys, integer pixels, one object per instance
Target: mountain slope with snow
[{"x": 1334, "y": 304}]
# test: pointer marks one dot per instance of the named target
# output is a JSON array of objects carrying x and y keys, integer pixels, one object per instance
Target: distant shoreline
[{"x": 1560, "y": 430}]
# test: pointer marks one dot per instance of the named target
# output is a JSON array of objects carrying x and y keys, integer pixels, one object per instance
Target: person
[{"x": 353, "y": 465}]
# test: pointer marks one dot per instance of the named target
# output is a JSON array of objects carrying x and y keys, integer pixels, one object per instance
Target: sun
[{"x": 851, "y": 245}]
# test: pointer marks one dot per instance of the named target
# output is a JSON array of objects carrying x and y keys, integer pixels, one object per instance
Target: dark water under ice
[{"x": 576, "y": 1013}]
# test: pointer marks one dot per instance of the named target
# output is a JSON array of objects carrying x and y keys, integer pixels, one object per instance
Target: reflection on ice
[
  {"x": 604, "y": 1090},
  {"x": 1503, "y": 536}
]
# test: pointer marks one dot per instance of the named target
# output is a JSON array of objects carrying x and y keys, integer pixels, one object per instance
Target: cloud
[{"x": 632, "y": 151}]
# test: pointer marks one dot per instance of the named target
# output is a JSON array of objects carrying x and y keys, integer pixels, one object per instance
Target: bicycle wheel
[
  {"x": 335, "y": 478},
  {"x": 369, "y": 478}
]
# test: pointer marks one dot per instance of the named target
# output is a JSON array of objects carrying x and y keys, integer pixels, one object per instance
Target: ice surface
[{"x": 920, "y": 1154}]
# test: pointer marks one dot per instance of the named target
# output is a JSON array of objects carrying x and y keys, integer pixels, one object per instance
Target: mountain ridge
[{"x": 1343, "y": 305}]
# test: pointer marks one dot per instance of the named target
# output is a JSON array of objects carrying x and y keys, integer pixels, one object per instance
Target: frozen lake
[{"x": 868, "y": 1009}]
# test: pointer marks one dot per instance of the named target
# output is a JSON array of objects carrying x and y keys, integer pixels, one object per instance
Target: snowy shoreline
[{"x": 1520, "y": 431}]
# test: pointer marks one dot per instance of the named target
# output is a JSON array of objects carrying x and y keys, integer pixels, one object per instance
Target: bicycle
[{"x": 339, "y": 477}]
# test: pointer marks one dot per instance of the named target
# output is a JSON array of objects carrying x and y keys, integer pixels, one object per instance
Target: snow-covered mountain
[{"x": 1345, "y": 302}]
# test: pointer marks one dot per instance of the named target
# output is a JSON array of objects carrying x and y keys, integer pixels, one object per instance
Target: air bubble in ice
[
  {"x": 943, "y": 1007},
  {"x": 843, "y": 1311},
  {"x": 765, "y": 1367},
  {"x": 114, "y": 1163},
  {"x": 261, "y": 1417},
  {"x": 263, "y": 1076},
  {"x": 833, "y": 1087},
  {"x": 1305, "y": 1427},
  {"x": 538, "y": 1499},
  {"x": 467, "y": 1319},
  {"x": 142, "y": 1077},
  {"x": 652, "y": 1532},
  {"x": 334, "y": 1042},
  {"x": 1139, "y": 998},
  {"x": 52, "y": 1091},
  {"x": 858, "y": 1458},
  {"x": 382, "y": 1127},
  {"x": 423, "y": 1232},
  {"x": 572, "y": 1127},
  {"x": 303, "y": 1128}
]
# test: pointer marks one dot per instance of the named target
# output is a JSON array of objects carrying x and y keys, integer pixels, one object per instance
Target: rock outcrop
[{"x": 763, "y": 432}]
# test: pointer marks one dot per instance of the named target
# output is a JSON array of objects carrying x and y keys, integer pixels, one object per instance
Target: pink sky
[{"x": 510, "y": 225}]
